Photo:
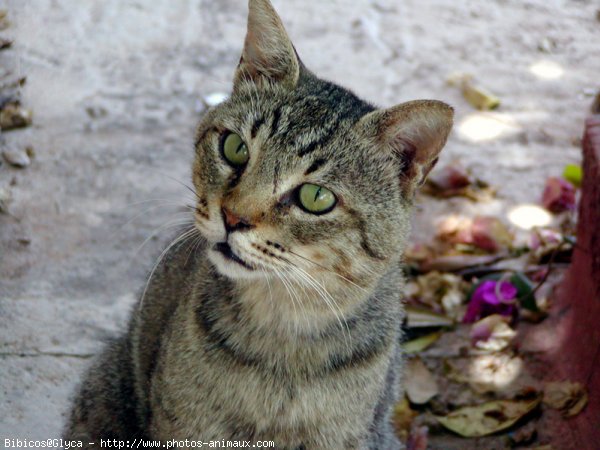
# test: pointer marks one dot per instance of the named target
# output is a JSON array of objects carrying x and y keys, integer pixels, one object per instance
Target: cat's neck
[{"x": 286, "y": 305}]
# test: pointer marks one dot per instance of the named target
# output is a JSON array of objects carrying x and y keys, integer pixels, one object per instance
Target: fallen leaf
[
  {"x": 417, "y": 439},
  {"x": 558, "y": 196},
  {"x": 13, "y": 115},
  {"x": 419, "y": 383},
  {"x": 570, "y": 398},
  {"x": 492, "y": 334},
  {"x": 450, "y": 176},
  {"x": 421, "y": 343},
  {"x": 523, "y": 435},
  {"x": 403, "y": 417},
  {"x": 490, "y": 233},
  {"x": 423, "y": 318},
  {"x": 484, "y": 232},
  {"x": 454, "y": 263},
  {"x": 487, "y": 418},
  {"x": 440, "y": 290},
  {"x": 494, "y": 372}
]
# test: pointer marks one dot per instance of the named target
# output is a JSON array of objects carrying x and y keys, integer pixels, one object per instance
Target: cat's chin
[{"x": 231, "y": 265}]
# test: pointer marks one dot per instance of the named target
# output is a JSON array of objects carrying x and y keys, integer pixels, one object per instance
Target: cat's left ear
[
  {"x": 414, "y": 132},
  {"x": 268, "y": 55}
]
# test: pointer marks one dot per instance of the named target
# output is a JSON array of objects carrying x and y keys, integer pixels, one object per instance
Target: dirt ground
[{"x": 116, "y": 88}]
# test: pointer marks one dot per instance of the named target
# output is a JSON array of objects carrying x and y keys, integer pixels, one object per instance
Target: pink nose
[
  {"x": 234, "y": 222},
  {"x": 231, "y": 218}
]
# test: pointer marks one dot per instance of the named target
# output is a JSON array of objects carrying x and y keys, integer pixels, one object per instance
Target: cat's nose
[{"x": 233, "y": 222}]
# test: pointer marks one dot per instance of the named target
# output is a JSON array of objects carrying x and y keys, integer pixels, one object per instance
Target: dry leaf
[
  {"x": 488, "y": 418},
  {"x": 443, "y": 290},
  {"x": 421, "y": 343},
  {"x": 403, "y": 417},
  {"x": 419, "y": 383},
  {"x": 424, "y": 318},
  {"x": 569, "y": 398},
  {"x": 453, "y": 263},
  {"x": 493, "y": 373},
  {"x": 417, "y": 439},
  {"x": 559, "y": 195},
  {"x": 492, "y": 333}
]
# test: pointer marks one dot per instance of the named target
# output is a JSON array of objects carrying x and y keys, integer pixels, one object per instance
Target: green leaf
[
  {"x": 421, "y": 343},
  {"x": 573, "y": 174}
]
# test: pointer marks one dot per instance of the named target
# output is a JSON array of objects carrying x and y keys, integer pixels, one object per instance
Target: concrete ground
[{"x": 116, "y": 89}]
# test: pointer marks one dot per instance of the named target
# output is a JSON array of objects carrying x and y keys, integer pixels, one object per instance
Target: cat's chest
[{"x": 204, "y": 391}]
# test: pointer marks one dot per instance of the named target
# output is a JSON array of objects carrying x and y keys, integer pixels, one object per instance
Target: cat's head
[{"x": 296, "y": 175}]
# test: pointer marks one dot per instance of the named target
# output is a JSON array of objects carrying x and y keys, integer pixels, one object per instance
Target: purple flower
[{"x": 492, "y": 297}]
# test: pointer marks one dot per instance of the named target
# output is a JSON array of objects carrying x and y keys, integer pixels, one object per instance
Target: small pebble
[{"x": 17, "y": 157}]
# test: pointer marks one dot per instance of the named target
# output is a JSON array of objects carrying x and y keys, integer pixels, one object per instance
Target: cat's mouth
[{"x": 225, "y": 249}]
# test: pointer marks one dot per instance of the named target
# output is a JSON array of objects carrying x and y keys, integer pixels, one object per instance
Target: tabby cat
[{"x": 286, "y": 326}]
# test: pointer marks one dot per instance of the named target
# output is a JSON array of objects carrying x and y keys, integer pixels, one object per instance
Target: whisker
[
  {"x": 164, "y": 227},
  {"x": 179, "y": 182},
  {"x": 329, "y": 300},
  {"x": 177, "y": 240}
]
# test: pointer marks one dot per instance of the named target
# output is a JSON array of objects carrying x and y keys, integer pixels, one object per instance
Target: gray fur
[{"x": 300, "y": 347}]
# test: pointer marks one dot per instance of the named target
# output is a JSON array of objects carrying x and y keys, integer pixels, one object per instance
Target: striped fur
[{"x": 298, "y": 341}]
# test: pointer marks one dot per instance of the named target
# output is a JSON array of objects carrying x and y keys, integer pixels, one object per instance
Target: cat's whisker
[
  {"x": 175, "y": 241},
  {"x": 268, "y": 285},
  {"x": 192, "y": 190},
  {"x": 285, "y": 283},
  {"x": 329, "y": 270},
  {"x": 327, "y": 297},
  {"x": 120, "y": 227},
  {"x": 300, "y": 298},
  {"x": 161, "y": 228},
  {"x": 193, "y": 247}
]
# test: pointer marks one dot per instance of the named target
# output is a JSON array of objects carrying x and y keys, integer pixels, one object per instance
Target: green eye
[
  {"x": 316, "y": 199},
  {"x": 235, "y": 150}
]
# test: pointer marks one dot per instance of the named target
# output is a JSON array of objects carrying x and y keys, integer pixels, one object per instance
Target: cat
[{"x": 286, "y": 325}]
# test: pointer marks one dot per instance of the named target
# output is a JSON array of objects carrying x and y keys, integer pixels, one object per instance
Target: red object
[
  {"x": 570, "y": 338},
  {"x": 559, "y": 195}
]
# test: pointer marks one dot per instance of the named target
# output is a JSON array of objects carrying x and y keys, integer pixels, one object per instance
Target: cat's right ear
[
  {"x": 414, "y": 133},
  {"x": 268, "y": 56}
]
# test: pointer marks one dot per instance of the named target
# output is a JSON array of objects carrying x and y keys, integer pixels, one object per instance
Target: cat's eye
[
  {"x": 316, "y": 199},
  {"x": 235, "y": 150}
]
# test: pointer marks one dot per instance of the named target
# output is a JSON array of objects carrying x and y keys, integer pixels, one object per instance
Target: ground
[{"x": 116, "y": 89}]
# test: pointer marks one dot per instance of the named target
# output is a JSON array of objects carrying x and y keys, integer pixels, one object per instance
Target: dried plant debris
[
  {"x": 13, "y": 116},
  {"x": 5, "y": 43},
  {"x": 417, "y": 438},
  {"x": 570, "y": 398},
  {"x": 479, "y": 97},
  {"x": 443, "y": 292},
  {"x": 419, "y": 382},
  {"x": 17, "y": 157},
  {"x": 403, "y": 417},
  {"x": 492, "y": 334},
  {"x": 421, "y": 343},
  {"x": 425, "y": 318},
  {"x": 485, "y": 233},
  {"x": 5, "y": 199},
  {"x": 487, "y": 418},
  {"x": 4, "y": 22},
  {"x": 454, "y": 180},
  {"x": 559, "y": 195}
]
